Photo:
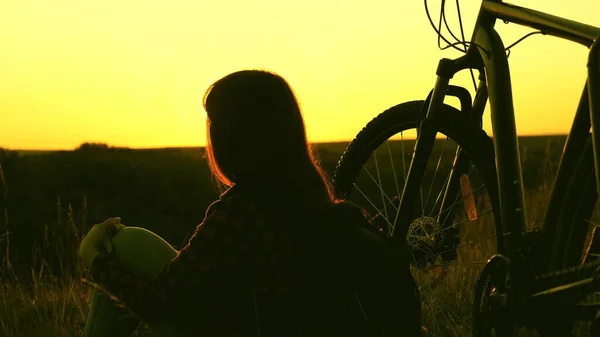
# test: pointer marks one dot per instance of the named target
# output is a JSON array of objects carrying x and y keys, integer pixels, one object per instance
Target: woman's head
[{"x": 256, "y": 135}]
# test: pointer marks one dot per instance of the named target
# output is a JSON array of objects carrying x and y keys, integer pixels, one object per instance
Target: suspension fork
[
  {"x": 462, "y": 162},
  {"x": 427, "y": 132},
  {"x": 423, "y": 146}
]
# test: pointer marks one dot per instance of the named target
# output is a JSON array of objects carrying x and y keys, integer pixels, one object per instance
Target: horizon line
[{"x": 203, "y": 146}]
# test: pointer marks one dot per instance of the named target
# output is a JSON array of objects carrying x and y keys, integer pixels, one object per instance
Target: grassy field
[{"x": 49, "y": 299}]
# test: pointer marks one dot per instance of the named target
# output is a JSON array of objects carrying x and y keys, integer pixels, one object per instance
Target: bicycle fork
[
  {"x": 498, "y": 267},
  {"x": 426, "y": 134}
]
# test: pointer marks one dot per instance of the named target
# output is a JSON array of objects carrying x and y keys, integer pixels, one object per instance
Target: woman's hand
[{"x": 98, "y": 240}]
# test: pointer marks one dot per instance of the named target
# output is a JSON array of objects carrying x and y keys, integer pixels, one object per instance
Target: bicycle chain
[{"x": 576, "y": 271}]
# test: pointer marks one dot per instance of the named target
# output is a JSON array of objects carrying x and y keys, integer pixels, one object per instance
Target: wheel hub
[
  {"x": 431, "y": 245},
  {"x": 422, "y": 242}
]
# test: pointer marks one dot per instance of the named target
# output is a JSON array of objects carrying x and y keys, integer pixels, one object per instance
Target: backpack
[{"x": 356, "y": 281}]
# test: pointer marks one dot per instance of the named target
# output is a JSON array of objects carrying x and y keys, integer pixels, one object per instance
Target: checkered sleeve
[{"x": 217, "y": 244}]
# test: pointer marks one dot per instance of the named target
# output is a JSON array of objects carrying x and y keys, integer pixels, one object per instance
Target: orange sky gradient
[{"x": 133, "y": 73}]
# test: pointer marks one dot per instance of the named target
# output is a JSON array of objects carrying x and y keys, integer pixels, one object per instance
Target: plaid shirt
[
  {"x": 228, "y": 245},
  {"x": 241, "y": 274}
]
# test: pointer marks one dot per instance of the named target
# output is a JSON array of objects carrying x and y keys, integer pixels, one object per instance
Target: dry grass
[
  {"x": 44, "y": 304},
  {"x": 48, "y": 307}
]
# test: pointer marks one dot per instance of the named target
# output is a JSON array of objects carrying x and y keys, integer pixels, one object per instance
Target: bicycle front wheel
[{"x": 447, "y": 256}]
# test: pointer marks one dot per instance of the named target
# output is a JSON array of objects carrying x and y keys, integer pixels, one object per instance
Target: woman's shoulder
[
  {"x": 235, "y": 198},
  {"x": 232, "y": 206}
]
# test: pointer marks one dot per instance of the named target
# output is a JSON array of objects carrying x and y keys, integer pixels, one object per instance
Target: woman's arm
[{"x": 216, "y": 245}]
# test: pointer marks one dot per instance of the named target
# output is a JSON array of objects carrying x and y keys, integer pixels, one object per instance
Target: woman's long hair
[{"x": 256, "y": 139}]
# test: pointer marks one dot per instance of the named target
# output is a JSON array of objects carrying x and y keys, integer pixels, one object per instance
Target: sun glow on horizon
[{"x": 133, "y": 73}]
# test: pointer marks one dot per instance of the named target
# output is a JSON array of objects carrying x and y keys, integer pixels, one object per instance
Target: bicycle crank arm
[
  {"x": 578, "y": 287},
  {"x": 532, "y": 314},
  {"x": 561, "y": 302}
]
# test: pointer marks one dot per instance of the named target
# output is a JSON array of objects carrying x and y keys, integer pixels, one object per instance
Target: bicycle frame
[{"x": 487, "y": 54}]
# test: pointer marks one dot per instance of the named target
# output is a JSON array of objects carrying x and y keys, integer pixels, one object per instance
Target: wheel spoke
[
  {"x": 394, "y": 169},
  {"x": 442, "y": 303},
  {"x": 369, "y": 200},
  {"x": 454, "y": 226},
  {"x": 439, "y": 196},
  {"x": 383, "y": 194},
  {"x": 437, "y": 167},
  {"x": 403, "y": 156},
  {"x": 449, "y": 238}
]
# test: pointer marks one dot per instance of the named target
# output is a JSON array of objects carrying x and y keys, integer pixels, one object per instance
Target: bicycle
[{"x": 530, "y": 277}]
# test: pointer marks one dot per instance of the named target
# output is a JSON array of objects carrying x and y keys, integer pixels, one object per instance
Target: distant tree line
[{"x": 48, "y": 200}]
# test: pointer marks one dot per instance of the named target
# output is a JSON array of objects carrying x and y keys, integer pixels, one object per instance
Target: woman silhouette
[{"x": 241, "y": 271}]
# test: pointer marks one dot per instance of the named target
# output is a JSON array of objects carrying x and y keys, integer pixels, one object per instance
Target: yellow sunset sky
[{"x": 133, "y": 72}]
